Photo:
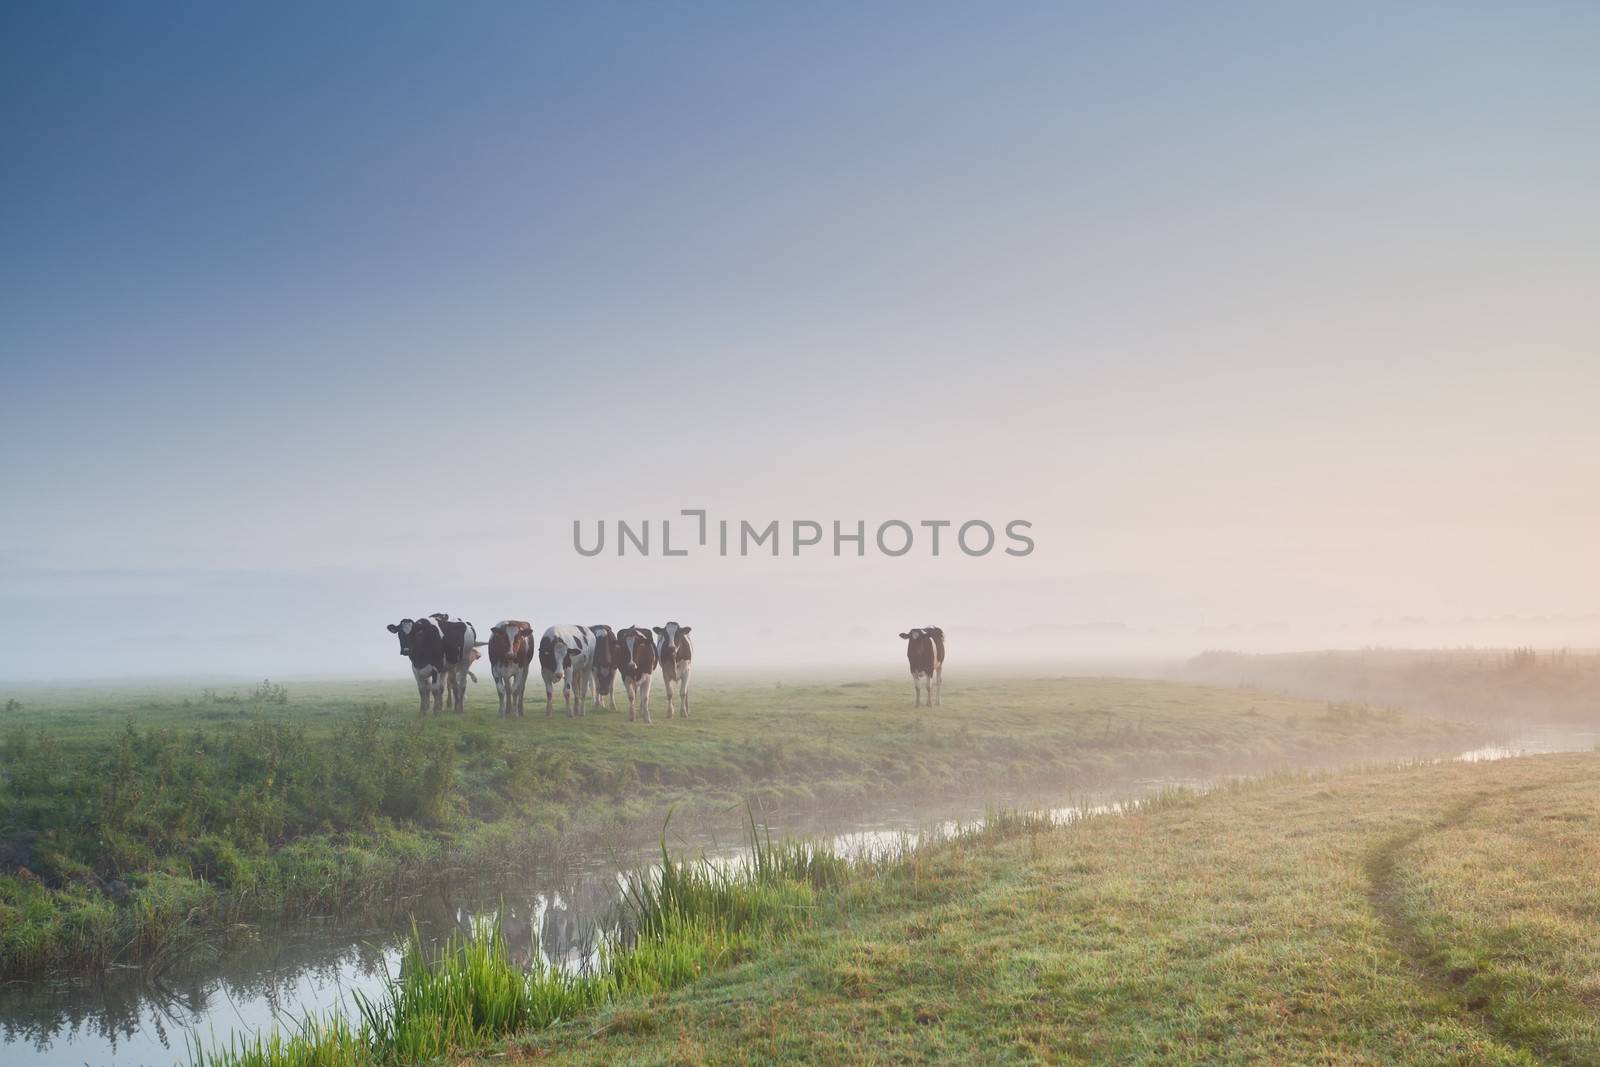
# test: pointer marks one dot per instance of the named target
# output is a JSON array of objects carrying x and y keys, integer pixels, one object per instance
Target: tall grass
[
  {"x": 677, "y": 921},
  {"x": 771, "y": 888}
]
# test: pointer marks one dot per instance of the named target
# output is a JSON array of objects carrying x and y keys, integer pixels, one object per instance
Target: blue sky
[{"x": 312, "y": 317}]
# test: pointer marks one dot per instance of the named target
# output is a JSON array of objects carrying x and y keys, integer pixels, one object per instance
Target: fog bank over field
[{"x": 777, "y": 621}]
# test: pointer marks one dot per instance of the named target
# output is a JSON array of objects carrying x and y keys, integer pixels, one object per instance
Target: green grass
[
  {"x": 685, "y": 919},
  {"x": 1441, "y": 914},
  {"x": 1434, "y": 914},
  {"x": 135, "y": 822}
]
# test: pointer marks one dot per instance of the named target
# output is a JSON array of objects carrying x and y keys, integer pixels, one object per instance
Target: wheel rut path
[{"x": 1383, "y": 869}]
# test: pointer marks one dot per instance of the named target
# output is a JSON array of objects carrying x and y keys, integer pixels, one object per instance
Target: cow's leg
[
  {"x": 916, "y": 690},
  {"x": 522, "y": 688},
  {"x": 644, "y": 697},
  {"x": 437, "y": 687},
  {"x": 422, "y": 692},
  {"x": 938, "y": 686},
  {"x": 549, "y": 696},
  {"x": 683, "y": 693},
  {"x": 630, "y": 687},
  {"x": 666, "y": 684}
]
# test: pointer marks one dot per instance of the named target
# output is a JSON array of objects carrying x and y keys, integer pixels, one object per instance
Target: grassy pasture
[
  {"x": 134, "y": 820},
  {"x": 1440, "y": 914}
]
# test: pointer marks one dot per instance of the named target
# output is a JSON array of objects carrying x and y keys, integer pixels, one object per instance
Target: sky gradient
[{"x": 1279, "y": 322}]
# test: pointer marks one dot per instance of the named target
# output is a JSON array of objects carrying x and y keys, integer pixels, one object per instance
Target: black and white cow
[
  {"x": 676, "y": 653},
  {"x": 603, "y": 665},
  {"x": 566, "y": 652},
  {"x": 422, "y": 642},
  {"x": 460, "y": 638},
  {"x": 636, "y": 661},
  {"x": 923, "y": 658}
]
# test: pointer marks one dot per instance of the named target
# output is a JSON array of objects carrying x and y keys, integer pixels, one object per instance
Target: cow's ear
[
  {"x": 683, "y": 630},
  {"x": 905, "y": 637},
  {"x": 393, "y": 628},
  {"x": 660, "y": 630}
]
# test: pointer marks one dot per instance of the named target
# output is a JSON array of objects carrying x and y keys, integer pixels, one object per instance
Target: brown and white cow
[
  {"x": 636, "y": 662},
  {"x": 923, "y": 657},
  {"x": 510, "y": 655},
  {"x": 676, "y": 653}
]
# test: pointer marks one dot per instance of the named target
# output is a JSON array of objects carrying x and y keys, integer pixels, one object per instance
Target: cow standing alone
[
  {"x": 922, "y": 655},
  {"x": 676, "y": 653},
  {"x": 938, "y": 662},
  {"x": 636, "y": 661},
  {"x": 510, "y": 656}
]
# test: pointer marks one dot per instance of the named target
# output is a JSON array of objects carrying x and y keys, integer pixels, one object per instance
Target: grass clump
[{"x": 679, "y": 921}]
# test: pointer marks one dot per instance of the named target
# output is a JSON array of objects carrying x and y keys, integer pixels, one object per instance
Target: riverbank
[
  {"x": 137, "y": 824},
  {"x": 1423, "y": 915}
]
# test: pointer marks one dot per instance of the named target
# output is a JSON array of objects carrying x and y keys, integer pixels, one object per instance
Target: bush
[{"x": 214, "y": 859}]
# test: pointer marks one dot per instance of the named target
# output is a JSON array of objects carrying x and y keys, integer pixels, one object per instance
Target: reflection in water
[
  {"x": 279, "y": 973},
  {"x": 273, "y": 975}
]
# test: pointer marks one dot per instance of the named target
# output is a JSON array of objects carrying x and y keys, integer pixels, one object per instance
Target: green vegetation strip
[{"x": 134, "y": 825}]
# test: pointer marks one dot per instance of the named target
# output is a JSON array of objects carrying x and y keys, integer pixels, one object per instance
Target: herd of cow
[{"x": 586, "y": 660}]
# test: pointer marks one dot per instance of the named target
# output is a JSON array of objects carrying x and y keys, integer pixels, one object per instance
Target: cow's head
[
  {"x": 635, "y": 648},
  {"x": 672, "y": 643},
  {"x": 605, "y": 646},
  {"x": 914, "y": 635},
  {"x": 512, "y": 629},
  {"x": 553, "y": 657},
  {"x": 403, "y": 629}
]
